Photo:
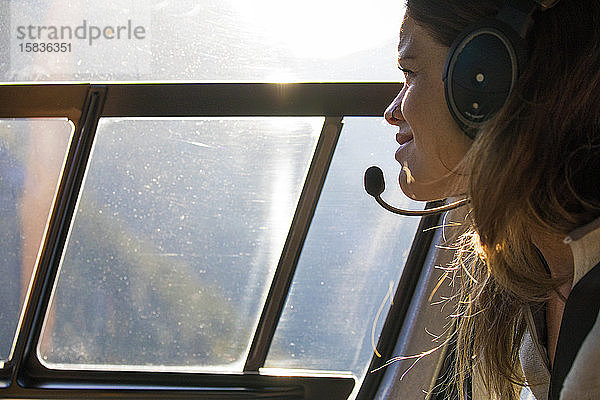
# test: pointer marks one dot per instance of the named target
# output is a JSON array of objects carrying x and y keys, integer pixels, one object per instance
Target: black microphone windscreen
[{"x": 374, "y": 183}]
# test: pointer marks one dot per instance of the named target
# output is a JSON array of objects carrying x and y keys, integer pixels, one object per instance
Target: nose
[{"x": 393, "y": 113}]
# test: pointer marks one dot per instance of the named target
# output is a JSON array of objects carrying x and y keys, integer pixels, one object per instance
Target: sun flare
[{"x": 323, "y": 29}]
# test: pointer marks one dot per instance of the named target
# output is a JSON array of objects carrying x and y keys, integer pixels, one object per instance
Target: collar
[{"x": 585, "y": 245}]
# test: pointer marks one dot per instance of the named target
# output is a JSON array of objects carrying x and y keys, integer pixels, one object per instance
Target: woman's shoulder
[{"x": 583, "y": 380}]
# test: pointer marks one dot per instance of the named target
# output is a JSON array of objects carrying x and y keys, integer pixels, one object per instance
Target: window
[
  {"x": 186, "y": 40},
  {"x": 179, "y": 229},
  {"x": 349, "y": 266},
  {"x": 177, "y": 234},
  {"x": 32, "y": 153},
  {"x": 210, "y": 234}
]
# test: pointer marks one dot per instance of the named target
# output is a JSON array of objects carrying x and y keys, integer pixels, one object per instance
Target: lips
[{"x": 403, "y": 137}]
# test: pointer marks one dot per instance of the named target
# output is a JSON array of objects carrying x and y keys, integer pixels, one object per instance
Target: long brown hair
[{"x": 535, "y": 165}]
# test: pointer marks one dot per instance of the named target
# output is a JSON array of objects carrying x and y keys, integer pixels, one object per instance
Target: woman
[{"x": 532, "y": 173}]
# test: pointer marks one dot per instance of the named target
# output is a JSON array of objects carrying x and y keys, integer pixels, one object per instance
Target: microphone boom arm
[
  {"x": 419, "y": 213},
  {"x": 375, "y": 185}
]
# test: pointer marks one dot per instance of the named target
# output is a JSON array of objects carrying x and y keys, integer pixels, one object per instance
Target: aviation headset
[
  {"x": 481, "y": 69},
  {"x": 485, "y": 61}
]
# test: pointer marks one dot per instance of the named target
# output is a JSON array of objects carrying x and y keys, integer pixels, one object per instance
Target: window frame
[{"x": 84, "y": 104}]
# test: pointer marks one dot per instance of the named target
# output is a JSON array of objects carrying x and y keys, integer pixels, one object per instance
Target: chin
[{"x": 422, "y": 192}]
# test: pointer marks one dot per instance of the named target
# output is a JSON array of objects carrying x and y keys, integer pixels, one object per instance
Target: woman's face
[{"x": 431, "y": 143}]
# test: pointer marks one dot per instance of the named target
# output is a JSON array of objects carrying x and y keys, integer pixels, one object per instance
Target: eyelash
[{"x": 406, "y": 72}]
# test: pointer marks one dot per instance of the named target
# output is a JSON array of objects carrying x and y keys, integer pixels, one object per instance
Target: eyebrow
[{"x": 404, "y": 58}]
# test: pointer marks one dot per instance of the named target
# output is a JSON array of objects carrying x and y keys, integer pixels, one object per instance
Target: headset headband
[{"x": 546, "y": 4}]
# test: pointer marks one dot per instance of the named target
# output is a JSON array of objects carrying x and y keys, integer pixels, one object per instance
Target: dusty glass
[
  {"x": 177, "y": 233},
  {"x": 32, "y": 153},
  {"x": 188, "y": 40},
  {"x": 351, "y": 262}
]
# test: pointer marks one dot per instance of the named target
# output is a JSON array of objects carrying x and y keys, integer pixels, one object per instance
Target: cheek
[
  {"x": 423, "y": 114},
  {"x": 407, "y": 103},
  {"x": 414, "y": 108},
  {"x": 439, "y": 144}
]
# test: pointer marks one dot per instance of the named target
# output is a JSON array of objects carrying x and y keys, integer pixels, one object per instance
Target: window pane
[
  {"x": 352, "y": 258},
  {"x": 32, "y": 153},
  {"x": 177, "y": 234},
  {"x": 225, "y": 40}
]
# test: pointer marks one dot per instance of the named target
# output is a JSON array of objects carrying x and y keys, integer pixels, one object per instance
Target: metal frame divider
[{"x": 284, "y": 274}]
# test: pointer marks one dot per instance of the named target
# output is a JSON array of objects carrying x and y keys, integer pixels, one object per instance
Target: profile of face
[{"x": 431, "y": 143}]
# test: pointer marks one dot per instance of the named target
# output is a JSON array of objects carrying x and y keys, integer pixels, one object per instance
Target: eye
[{"x": 407, "y": 73}]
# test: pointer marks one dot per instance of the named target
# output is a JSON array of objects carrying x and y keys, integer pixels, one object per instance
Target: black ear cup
[{"x": 481, "y": 69}]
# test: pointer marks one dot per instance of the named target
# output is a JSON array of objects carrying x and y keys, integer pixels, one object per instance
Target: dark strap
[{"x": 581, "y": 311}]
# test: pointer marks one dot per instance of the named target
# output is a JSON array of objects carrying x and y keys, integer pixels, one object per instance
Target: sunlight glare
[
  {"x": 323, "y": 29},
  {"x": 283, "y": 203}
]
